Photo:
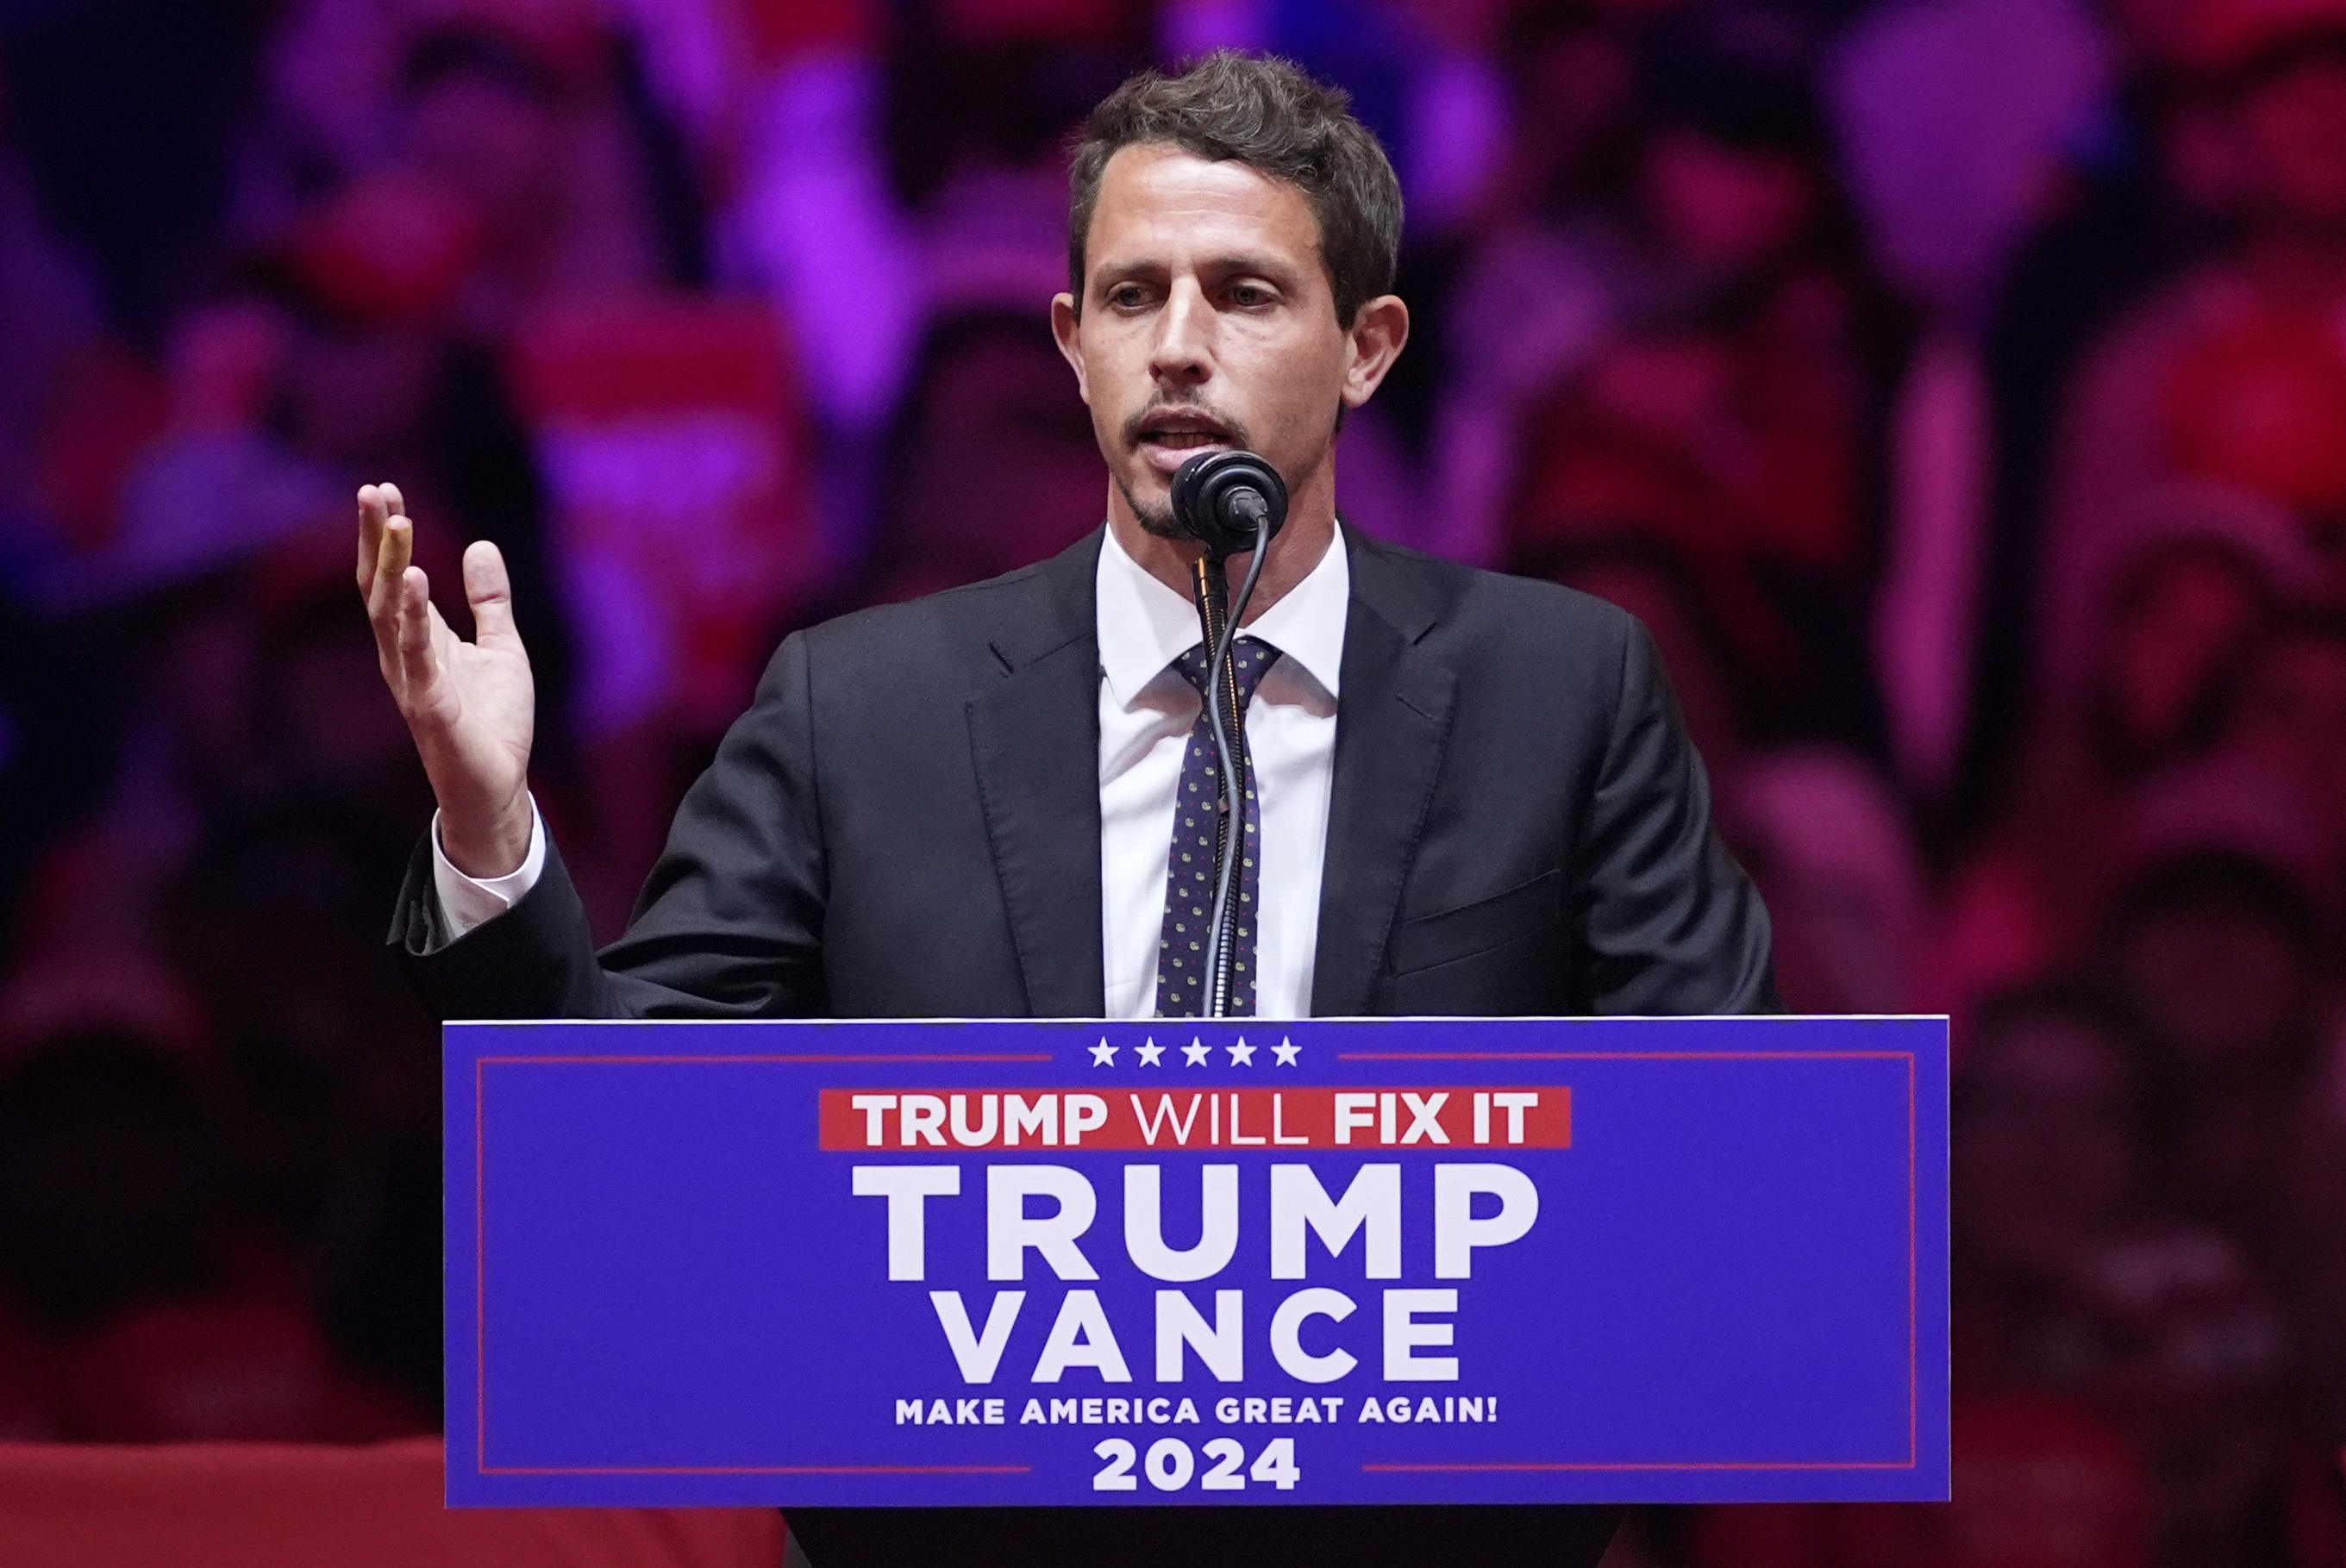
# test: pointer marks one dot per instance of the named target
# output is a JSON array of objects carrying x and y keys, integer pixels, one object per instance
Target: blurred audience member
[
  {"x": 2150, "y": 677},
  {"x": 2290, "y": 714},
  {"x": 672, "y": 437},
  {"x": 2039, "y": 1482},
  {"x": 49, "y": 316},
  {"x": 2136, "y": 196},
  {"x": 123, "y": 111},
  {"x": 1547, "y": 269},
  {"x": 2050, "y": 1122},
  {"x": 166, "y": 1322},
  {"x": 1828, "y": 845},
  {"x": 2258, "y": 544},
  {"x": 2046, "y": 1483},
  {"x": 1731, "y": 418},
  {"x": 110, "y": 1196},
  {"x": 996, "y": 464},
  {"x": 527, "y": 128},
  {"x": 2194, "y": 1367},
  {"x": 2233, "y": 373},
  {"x": 2221, "y": 961}
]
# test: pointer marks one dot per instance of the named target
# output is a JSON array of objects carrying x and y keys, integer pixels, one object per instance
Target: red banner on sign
[{"x": 1305, "y": 1117}]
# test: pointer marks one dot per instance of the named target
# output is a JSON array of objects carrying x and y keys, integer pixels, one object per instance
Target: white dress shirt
[{"x": 1147, "y": 709}]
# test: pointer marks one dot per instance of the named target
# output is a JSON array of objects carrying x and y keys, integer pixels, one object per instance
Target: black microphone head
[{"x": 1228, "y": 499}]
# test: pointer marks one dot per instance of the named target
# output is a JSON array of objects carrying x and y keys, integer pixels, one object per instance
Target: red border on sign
[{"x": 1913, "y": 1327}]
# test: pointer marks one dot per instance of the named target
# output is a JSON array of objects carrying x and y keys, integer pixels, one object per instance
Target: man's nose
[{"x": 1182, "y": 354}]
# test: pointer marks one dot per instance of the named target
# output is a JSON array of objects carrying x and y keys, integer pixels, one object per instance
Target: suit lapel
[
  {"x": 1392, "y": 722},
  {"x": 1034, "y": 742}
]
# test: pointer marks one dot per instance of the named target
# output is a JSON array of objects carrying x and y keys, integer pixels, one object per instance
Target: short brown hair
[{"x": 1266, "y": 113}]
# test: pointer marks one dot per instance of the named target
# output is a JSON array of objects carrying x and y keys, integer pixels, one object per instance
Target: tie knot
[{"x": 1251, "y": 655}]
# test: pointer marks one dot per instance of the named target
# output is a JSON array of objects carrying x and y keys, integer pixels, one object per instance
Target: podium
[{"x": 1217, "y": 1262}]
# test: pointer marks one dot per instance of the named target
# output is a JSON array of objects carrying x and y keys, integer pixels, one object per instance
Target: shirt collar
[{"x": 1145, "y": 626}]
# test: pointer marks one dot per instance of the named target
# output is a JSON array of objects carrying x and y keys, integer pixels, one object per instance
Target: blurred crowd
[{"x": 1957, "y": 389}]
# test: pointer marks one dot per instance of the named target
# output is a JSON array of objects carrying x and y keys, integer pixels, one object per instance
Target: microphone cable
[{"x": 1232, "y": 827}]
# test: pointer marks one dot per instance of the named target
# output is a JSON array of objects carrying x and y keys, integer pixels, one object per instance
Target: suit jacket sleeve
[
  {"x": 728, "y": 925},
  {"x": 1668, "y": 923}
]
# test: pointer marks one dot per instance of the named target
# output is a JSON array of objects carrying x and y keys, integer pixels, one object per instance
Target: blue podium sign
[{"x": 1413, "y": 1260}]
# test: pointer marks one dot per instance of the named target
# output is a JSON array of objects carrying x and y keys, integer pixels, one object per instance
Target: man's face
[{"x": 1207, "y": 322}]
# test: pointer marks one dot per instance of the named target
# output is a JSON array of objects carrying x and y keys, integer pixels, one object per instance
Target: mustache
[{"x": 1234, "y": 430}]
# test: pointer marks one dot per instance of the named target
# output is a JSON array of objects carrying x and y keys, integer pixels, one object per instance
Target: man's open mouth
[
  {"x": 1183, "y": 429},
  {"x": 1170, "y": 437}
]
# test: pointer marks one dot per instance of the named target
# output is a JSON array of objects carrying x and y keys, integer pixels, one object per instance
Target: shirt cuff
[{"x": 468, "y": 901}]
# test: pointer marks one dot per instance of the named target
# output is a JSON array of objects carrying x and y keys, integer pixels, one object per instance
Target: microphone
[
  {"x": 1228, "y": 501},
  {"x": 1232, "y": 503}
]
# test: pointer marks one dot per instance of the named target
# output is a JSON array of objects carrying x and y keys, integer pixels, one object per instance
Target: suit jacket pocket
[{"x": 1478, "y": 927}]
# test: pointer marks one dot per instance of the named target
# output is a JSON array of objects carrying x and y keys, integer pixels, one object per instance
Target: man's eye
[
  {"x": 1127, "y": 297},
  {"x": 1247, "y": 295}
]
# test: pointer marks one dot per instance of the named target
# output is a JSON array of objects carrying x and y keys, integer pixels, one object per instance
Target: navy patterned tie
[{"x": 1189, "y": 874}]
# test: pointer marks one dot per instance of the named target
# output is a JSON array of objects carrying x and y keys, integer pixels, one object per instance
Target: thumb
[{"x": 490, "y": 593}]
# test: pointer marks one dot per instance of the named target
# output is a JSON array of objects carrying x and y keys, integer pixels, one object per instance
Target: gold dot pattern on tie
[{"x": 1189, "y": 871}]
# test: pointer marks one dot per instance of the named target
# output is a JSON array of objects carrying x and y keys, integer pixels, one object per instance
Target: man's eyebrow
[
  {"x": 1113, "y": 273},
  {"x": 1239, "y": 265},
  {"x": 1254, "y": 262}
]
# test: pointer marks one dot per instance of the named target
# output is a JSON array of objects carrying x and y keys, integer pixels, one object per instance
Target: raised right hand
[{"x": 471, "y": 706}]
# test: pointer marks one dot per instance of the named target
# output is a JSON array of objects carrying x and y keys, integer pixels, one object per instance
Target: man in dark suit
[{"x": 1475, "y": 795}]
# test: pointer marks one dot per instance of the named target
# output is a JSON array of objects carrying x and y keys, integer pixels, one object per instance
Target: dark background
[{"x": 1957, "y": 388}]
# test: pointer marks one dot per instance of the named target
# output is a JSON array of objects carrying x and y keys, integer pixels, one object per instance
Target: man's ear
[
  {"x": 1379, "y": 332},
  {"x": 1068, "y": 328}
]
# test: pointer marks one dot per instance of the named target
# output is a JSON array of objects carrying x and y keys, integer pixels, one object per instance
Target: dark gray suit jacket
[{"x": 906, "y": 824}]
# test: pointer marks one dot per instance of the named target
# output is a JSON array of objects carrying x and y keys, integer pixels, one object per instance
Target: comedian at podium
[{"x": 1457, "y": 793}]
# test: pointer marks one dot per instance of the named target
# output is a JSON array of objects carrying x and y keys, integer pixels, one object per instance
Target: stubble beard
[{"x": 1157, "y": 519}]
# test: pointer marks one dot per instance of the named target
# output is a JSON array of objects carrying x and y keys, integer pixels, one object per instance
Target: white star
[
  {"x": 1241, "y": 1054},
  {"x": 1103, "y": 1054},
  {"x": 1149, "y": 1051},
  {"x": 1196, "y": 1052},
  {"x": 1287, "y": 1051}
]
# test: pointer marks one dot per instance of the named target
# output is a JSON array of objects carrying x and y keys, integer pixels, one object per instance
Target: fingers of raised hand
[
  {"x": 383, "y": 532},
  {"x": 489, "y": 590},
  {"x": 372, "y": 514},
  {"x": 386, "y": 596},
  {"x": 412, "y": 629},
  {"x": 398, "y": 549}
]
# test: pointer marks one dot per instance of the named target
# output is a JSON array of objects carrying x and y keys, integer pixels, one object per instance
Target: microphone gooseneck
[{"x": 1232, "y": 503}]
